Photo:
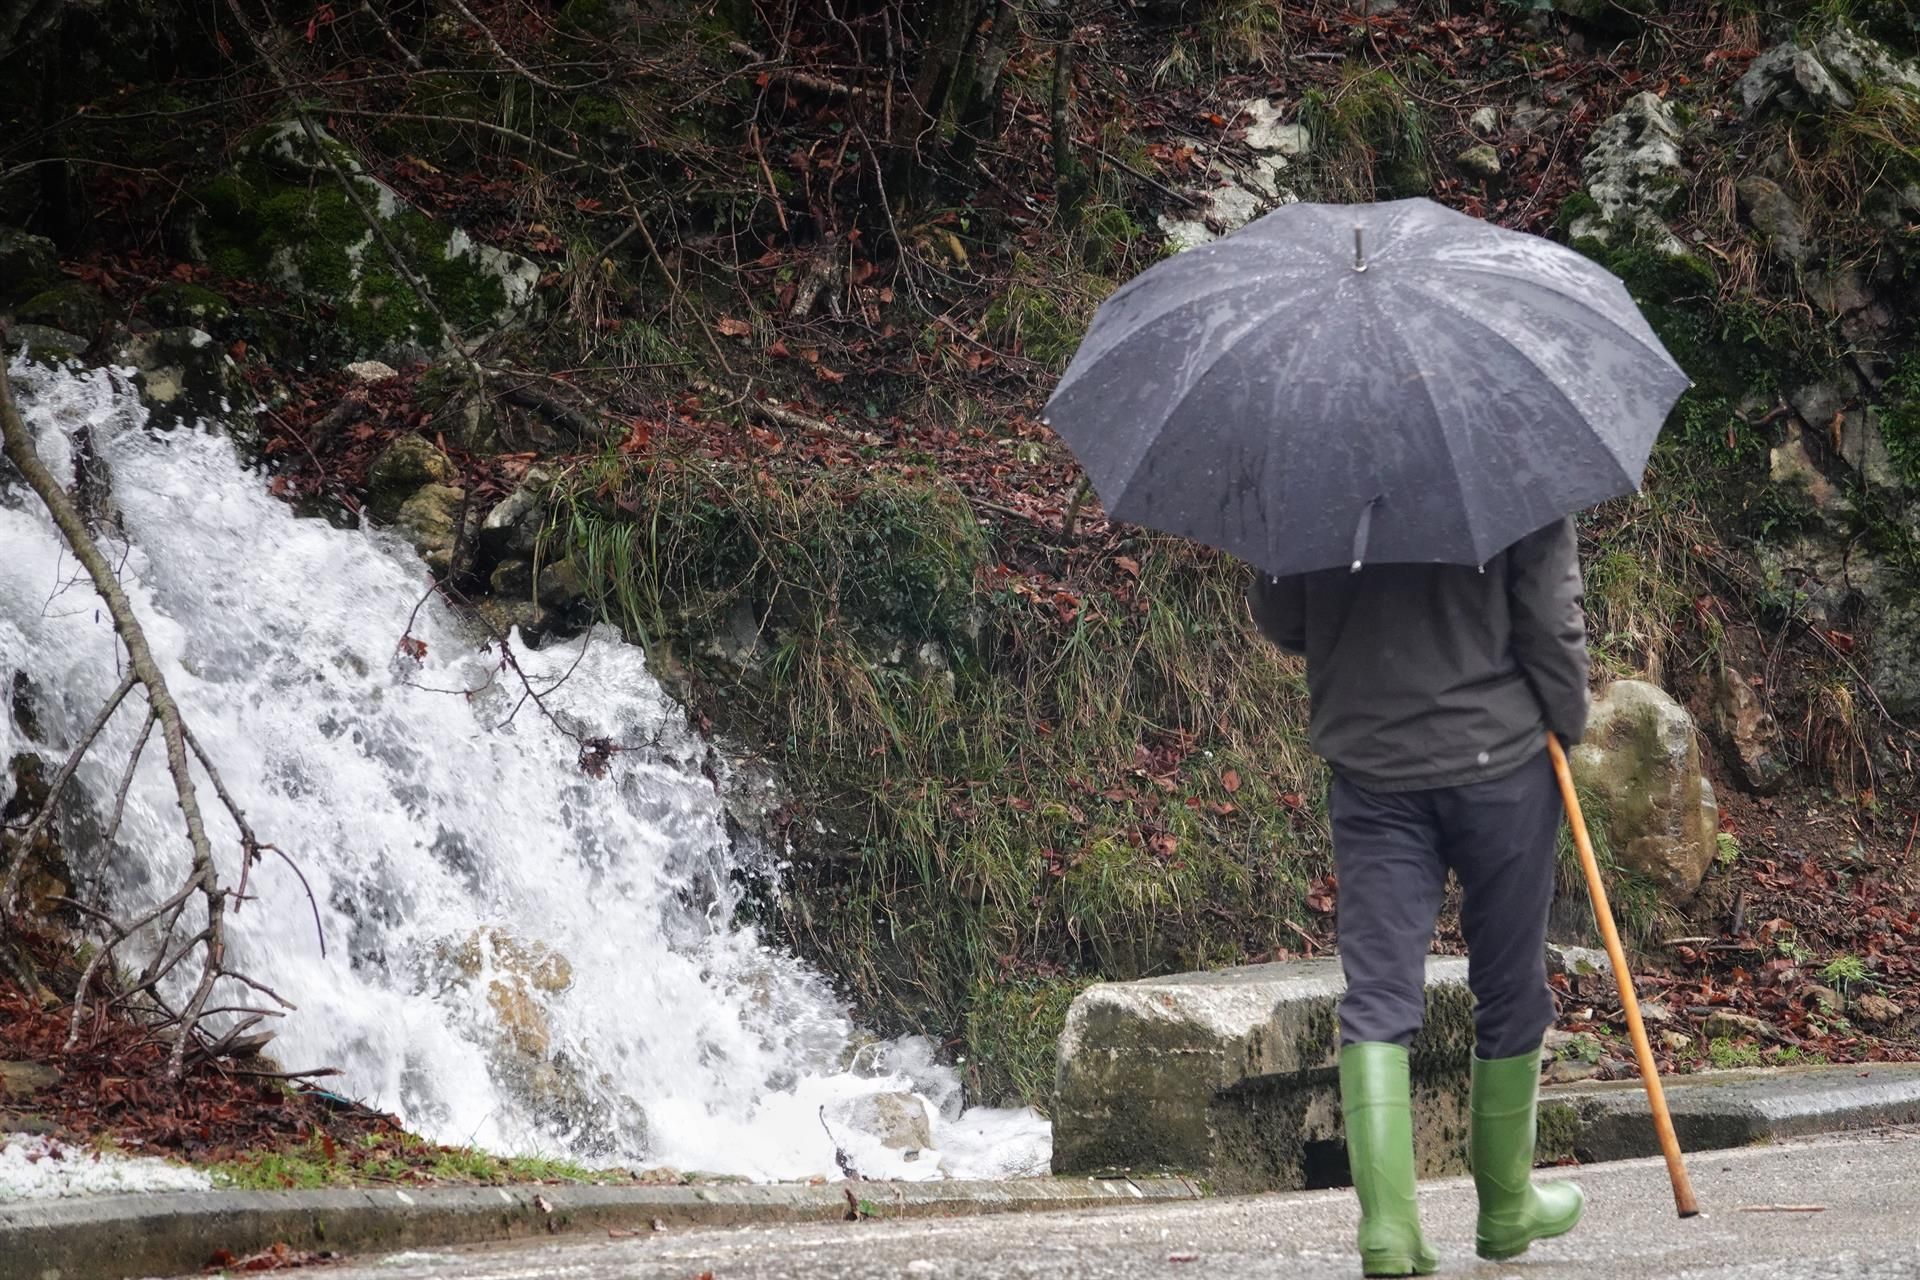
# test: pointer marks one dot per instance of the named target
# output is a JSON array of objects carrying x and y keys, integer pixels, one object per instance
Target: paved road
[{"x": 1868, "y": 1228}]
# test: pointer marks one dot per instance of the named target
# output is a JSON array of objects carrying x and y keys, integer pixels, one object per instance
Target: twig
[
  {"x": 506, "y": 57},
  {"x": 60, "y": 779},
  {"x": 202, "y": 876},
  {"x": 779, "y": 74}
]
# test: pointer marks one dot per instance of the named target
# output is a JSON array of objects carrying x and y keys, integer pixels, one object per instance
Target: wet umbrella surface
[{"x": 1393, "y": 382}]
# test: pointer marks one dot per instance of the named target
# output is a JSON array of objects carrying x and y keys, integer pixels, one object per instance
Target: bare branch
[{"x": 60, "y": 780}]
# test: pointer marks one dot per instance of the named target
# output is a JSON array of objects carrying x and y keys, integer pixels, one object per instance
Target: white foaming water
[{"x": 518, "y": 955}]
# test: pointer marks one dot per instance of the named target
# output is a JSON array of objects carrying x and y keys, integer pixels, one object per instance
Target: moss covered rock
[
  {"x": 1641, "y": 761},
  {"x": 71, "y": 306},
  {"x": 284, "y": 214},
  {"x": 402, "y": 470},
  {"x": 28, "y": 264}
]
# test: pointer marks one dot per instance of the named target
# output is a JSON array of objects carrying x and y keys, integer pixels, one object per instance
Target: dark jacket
[{"x": 1438, "y": 675}]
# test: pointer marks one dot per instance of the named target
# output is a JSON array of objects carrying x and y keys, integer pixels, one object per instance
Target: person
[{"x": 1432, "y": 688}]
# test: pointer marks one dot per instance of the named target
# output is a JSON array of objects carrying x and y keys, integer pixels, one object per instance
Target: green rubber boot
[
  {"x": 1513, "y": 1212},
  {"x": 1377, "y": 1101}
]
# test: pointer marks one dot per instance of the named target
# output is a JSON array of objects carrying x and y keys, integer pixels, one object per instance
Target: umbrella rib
[
  {"x": 1226, "y": 349},
  {"x": 1587, "y": 309},
  {"x": 1440, "y": 425},
  {"x": 1138, "y": 327},
  {"x": 1446, "y": 304}
]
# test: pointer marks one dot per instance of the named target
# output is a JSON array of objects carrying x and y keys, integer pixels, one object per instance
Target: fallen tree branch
[{"x": 203, "y": 876}]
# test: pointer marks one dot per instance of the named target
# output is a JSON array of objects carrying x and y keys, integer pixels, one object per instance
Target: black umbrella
[{"x": 1390, "y": 382}]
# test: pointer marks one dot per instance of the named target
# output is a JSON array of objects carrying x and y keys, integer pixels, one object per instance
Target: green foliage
[
  {"x": 1045, "y": 308},
  {"x": 1725, "y": 1054},
  {"x": 1369, "y": 137},
  {"x": 1843, "y": 971},
  {"x": 1017, "y": 789},
  {"x": 1726, "y": 850},
  {"x": 389, "y": 1158}
]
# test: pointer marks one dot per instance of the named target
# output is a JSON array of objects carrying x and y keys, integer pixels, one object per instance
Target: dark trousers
[{"x": 1392, "y": 852}]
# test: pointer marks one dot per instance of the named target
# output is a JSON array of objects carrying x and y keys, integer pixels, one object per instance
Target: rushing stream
[{"x": 516, "y": 954}]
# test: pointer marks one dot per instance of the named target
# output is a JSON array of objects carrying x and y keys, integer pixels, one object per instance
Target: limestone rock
[
  {"x": 1828, "y": 75},
  {"x": 1791, "y": 466},
  {"x": 1723, "y": 1023},
  {"x": 399, "y": 472},
  {"x": 1232, "y": 1074},
  {"x": 1481, "y": 161},
  {"x": 1634, "y": 175},
  {"x": 1486, "y": 121},
  {"x": 1570, "y": 1071},
  {"x": 1777, "y": 217},
  {"x": 512, "y": 527},
  {"x": 281, "y": 214},
  {"x": 430, "y": 520},
  {"x": 28, "y": 264},
  {"x": 896, "y": 1120},
  {"x": 1751, "y": 734},
  {"x": 1249, "y": 189},
  {"x": 367, "y": 373},
  {"x": 1641, "y": 763}
]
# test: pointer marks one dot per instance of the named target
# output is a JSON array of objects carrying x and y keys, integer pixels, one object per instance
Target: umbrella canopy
[{"x": 1389, "y": 382}]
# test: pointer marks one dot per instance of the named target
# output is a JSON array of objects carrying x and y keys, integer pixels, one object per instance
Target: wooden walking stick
[{"x": 1603, "y": 913}]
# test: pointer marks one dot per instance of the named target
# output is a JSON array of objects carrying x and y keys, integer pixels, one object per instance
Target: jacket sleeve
[
  {"x": 1544, "y": 599},
  {"x": 1279, "y": 608}
]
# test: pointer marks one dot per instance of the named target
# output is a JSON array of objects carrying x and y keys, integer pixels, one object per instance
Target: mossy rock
[
  {"x": 179, "y": 303},
  {"x": 72, "y": 306},
  {"x": 28, "y": 265},
  {"x": 283, "y": 215},
  {"x": 402, "y": 470}
]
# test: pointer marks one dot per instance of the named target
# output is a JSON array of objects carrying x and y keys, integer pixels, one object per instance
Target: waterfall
[{"x": 517, "y": 954}]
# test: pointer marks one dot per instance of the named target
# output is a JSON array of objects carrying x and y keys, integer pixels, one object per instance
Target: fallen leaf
[
  {"x": 733, "y": 328},
  {"x": 1230, "y": 780}
]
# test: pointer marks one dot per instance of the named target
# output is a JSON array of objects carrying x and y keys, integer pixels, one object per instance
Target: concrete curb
[
  {"x": 1720, "y": 1109},
  {"x": 121, "y": 1237}
]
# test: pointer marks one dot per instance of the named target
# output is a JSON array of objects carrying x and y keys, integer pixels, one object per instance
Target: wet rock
[
  {"x": 71, "y": 306},
  {"x": 554, "y": 584},
  {"x": 177, "y": 303},
  {"x": 402, "y": 468},
  {"x": 1634, "y": 176},
  {"x": 1778, "y": 219},
  {"x": 1641, "y": 763},
  {"x": 1723, "y": 1023},
  {"x": 1481, "y": 161},
  {"x": 28, "y": 265},
  {"x": 512, "y": 527},
  {"x": 1748, "y": 729},
  {"x": 1827, "y": 75},
  {"x": 45, "y": 345},
  {"x": 1792, "y": 467},
  {"x": 430, "y": 520},
  {"x": 1876, "y": 1010},
  {"x": 183, "y": 376},
  {"x": 896, "y": 1120}
]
